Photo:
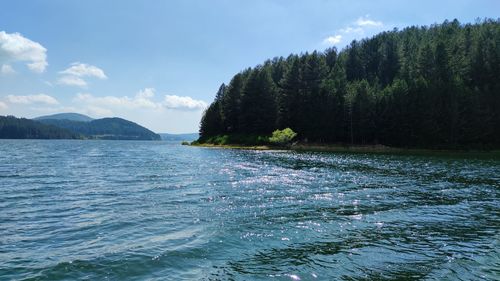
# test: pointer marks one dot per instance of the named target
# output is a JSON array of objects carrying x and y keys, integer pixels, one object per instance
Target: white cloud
[
  {"x": 365, "y": 21},
  {"x": 332, "y": 40},
  {"x": 30, "y": 99},
  {"x": 107, "y": 100},
  {"x": 15, "y": 47},
  {"x": 146, "y": 93},
  {"x": 183, "y": 103},
  {"x": 72, "y": 81},
  {"x": 354, "y": 30},
  {"x": 50, "y": 108},
  {"x": 7, "y": 69},
  {"x": 144, "y": 99},
  {"x": 350, "y": 29},
  {"x": 73, "y": 75},
  {"x": 3, "y": 106},
  {"x": 84, "y": 70},
  {"x": 146, "y": 107},
  {"x": 98, "y": 111},
  {"x": 141, "y": 100}
]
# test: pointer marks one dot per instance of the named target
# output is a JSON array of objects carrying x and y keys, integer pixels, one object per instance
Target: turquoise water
[{"x": 124, "y": 210}]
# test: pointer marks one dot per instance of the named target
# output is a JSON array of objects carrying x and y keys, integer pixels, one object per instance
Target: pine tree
[{"x": 431, "y": 87}]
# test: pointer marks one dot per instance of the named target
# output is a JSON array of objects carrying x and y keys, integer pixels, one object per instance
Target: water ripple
[{"x": 119, "y": 210}]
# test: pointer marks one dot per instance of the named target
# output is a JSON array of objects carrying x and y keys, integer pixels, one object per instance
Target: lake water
[{"x": 116, "y": 210}]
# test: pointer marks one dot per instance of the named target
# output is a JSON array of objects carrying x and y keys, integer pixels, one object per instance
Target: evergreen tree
[
  {"x": 258, "y": 109},
  {"x": 432, "y": 87},
  {"x": 288, "y": 95}
]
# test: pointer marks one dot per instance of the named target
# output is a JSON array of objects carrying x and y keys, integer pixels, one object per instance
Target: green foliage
[
  {"x": 185, "y": 143},
  {"x": 105, "y": 128},
  {"x": 21, "y": 128},
  {"x": 257, "y": 113},
  {"x": 211, "y": 122},
  {"x": 430, "y": 87},
  {"x": 282, "y": 137},
  {"x": 235, "y": 139}
]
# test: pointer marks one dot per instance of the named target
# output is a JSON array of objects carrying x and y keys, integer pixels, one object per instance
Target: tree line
[
  {"x": 105, "y": 128},
  {"x": 434, "y": 86},
  {"x": 22, "y": 128}
]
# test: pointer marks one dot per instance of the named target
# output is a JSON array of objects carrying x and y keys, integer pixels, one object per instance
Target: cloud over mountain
[
  {"x": 32, "y": 99},
  {"x": 144, "y": 99}
]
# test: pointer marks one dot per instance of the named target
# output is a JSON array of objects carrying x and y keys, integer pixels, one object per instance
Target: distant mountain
[
  {"x": 105, "y": 128},
  {"x": 66, "y": 116},
  {"x": 22, "y": 128},
  {"x": 179, "y": 137},
  {"x": 73, "y": 126}
]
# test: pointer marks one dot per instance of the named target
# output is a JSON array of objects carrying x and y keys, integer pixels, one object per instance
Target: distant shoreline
[
  {"x": 83, "y": 139},
  {"x": 371, "y": 149}
]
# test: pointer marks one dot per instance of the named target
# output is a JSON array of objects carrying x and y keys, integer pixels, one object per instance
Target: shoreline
[
  {"x": 237, "y": 146},
  {"x": 370, "y": 149}
]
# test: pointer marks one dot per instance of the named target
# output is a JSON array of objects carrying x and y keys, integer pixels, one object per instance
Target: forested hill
[
  {"x": 105, "y": 128},
  {"x": 21, "y": 128},
  {"x": 433, "y": 87}
]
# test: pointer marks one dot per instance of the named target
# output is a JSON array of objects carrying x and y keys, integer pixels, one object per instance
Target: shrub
[{"x": 282, "y": 137}]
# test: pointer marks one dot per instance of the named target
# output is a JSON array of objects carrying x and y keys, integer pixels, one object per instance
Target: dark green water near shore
[{"x": 125, "y": 210}]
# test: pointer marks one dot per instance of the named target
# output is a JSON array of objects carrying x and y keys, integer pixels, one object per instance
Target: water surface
[{"x": 116, "y": 210}]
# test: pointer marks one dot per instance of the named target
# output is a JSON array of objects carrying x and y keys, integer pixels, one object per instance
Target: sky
[{"x": 160, "y": 63}]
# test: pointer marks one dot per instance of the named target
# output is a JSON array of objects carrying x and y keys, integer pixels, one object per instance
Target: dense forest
[
  {"x": 431, "y": 87},
  {"x": 21, "y": 128},
  {"x": 105, "y": 128}
]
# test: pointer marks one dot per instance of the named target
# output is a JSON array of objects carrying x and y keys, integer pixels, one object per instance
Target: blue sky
[{"x": 158, "y": 63}]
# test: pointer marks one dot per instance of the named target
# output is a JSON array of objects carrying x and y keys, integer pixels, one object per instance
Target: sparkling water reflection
[{"x": 155, "y": 210}]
